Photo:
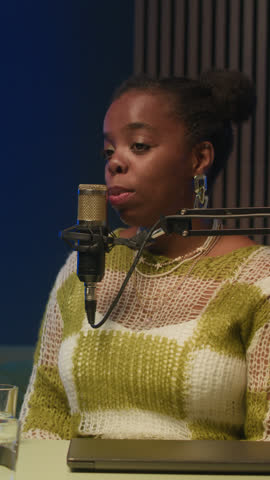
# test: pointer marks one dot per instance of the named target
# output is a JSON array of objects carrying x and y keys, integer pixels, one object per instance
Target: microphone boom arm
[
  {"x": 182, "y": 225},
  {"x": 80, "y": 237}
]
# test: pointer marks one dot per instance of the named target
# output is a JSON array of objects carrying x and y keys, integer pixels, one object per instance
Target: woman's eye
[
  {"x": 140, "y": 147},
  {"x": 107, "y": 153}
]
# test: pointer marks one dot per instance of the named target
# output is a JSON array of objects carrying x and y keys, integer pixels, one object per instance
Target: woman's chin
[{"x": 133, "y": 220}]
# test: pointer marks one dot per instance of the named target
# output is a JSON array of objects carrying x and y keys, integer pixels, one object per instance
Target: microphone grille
[{"x": 92, "y": 204}]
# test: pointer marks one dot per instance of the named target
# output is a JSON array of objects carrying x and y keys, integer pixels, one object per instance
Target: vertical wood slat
[
  {"x": 267, "y": 126},
  {"x": 152, "y": 46},
  {"x": 218, "y": 47},
  {"x": 246, "y": 48},
  {"x": 166, "y": 39},
  {"x": 220, "y": 39},
  {"x": 184, "y": 37},
  {"x": 206, "y": 36},
  {"x": 260, "y": 59},
  {"x": 139, "y": 36},
  {"x": 179, "y": 38},
  {"x": 232, "y": 183},
  {"x": 192, "y": 46}
]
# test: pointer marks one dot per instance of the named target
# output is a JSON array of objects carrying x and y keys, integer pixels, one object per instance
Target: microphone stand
[{"x": 81, "y": 238}]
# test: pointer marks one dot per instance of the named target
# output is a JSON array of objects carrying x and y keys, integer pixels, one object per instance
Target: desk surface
[{"x": 46, "y": 460}]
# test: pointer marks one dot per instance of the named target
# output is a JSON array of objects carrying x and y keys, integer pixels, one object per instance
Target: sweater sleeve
[
  {"x": 257, "y": 422},
  {"x": 45, "y": 412}
]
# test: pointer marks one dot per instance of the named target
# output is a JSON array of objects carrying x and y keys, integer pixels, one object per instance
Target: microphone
[{"x": 92, "y": 218}]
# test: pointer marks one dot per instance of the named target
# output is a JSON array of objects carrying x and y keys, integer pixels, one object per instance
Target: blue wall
[{"x": 60, "y": 61}]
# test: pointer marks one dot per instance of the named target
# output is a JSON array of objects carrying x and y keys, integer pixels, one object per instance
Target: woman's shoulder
[
  {"x": 251, "y": 260},
  {"x": 228, "y": 244}
]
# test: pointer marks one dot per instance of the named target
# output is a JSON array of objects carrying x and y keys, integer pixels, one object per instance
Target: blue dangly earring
[{"x": 200, "y": 190}]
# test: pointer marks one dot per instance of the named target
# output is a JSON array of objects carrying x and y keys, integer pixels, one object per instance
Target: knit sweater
[{"x": 184, "y": 355}]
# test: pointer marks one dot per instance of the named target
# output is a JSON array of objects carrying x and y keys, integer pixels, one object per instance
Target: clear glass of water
[{"x": 9, "y": 426}]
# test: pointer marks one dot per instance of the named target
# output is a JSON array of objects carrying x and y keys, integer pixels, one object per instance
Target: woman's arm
[
  {"x": 257, "y": 424},
  {"x": 45, "y": 412}
]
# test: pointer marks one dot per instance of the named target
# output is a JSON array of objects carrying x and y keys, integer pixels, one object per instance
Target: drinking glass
[{"x": 9, "y": 426}]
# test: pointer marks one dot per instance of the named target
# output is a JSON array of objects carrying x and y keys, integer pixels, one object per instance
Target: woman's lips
[{"x": 119, "y": 196}]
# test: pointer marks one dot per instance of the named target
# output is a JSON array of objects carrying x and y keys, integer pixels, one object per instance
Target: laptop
[{"x": 204, "y": 456}]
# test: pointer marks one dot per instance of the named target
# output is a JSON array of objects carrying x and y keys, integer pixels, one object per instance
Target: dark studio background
[{"x": 60, "y": 61}]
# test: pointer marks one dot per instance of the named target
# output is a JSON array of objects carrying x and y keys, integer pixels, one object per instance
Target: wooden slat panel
[
  {"x": 233, "y": 181},
  {"x": 267, "y": 127},
  {"x": 139, "y": 36},
  {"x": 166, "y": 39},
  {"x": 206, "y": 37},
  {"x": 247, "y": 54},
  {"x": 233, "y": 63},
  {"x": 179, "y": 38},
  {"x": 152, "y": 47},
  {"x": 220, "y": 38},
  {"x": 261, "y": 55},
  {"x": 192, "y": 61},
  {"x": 235, "y": 22},
  {"x": 184, "y": 37},
  {"x": 218, "y": 46}
]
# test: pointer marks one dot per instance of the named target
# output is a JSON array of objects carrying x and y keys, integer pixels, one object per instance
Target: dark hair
[{"x": 206, "y": 106}]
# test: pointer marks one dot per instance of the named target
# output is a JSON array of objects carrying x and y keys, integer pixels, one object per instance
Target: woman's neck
[{"x": 175, "y": 245}]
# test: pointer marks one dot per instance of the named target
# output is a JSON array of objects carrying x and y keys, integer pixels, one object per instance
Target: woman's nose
[{"x": 117, "y": 165}]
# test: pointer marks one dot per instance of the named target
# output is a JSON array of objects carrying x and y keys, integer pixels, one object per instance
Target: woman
[{"x": 185, "y": 353}]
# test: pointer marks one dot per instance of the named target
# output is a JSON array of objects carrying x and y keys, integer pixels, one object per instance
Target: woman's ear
[{"x": 203, "y": 155}]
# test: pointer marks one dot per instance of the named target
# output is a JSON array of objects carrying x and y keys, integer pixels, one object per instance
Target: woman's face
[{"x": 148, "y": 164}]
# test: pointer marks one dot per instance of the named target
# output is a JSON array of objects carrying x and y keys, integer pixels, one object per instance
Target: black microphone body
[
  {"x": 91, "y": 263},
  {"x": 92, "y": 218}
]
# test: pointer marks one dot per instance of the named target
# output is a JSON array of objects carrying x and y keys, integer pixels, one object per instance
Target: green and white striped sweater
[{"x": 184, "y": 355}]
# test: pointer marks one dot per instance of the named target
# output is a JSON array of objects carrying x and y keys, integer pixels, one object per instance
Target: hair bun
[{"x": 233, "y": 93}]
